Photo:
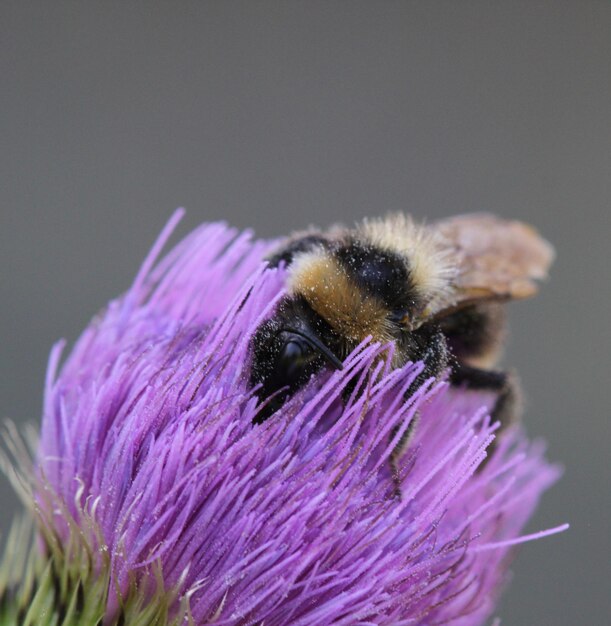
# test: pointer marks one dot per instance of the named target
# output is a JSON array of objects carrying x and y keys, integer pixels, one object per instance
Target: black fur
[
  {"x": 380, "y": 273},
  {"x": 301, "y": 244},
  {"x": 475, "y": 330}
]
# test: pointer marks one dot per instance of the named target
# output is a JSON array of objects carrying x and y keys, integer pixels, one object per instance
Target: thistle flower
[{"x": 158, "y": 501}]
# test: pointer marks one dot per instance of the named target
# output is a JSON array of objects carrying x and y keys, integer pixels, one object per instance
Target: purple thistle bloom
[{"x": 148, "y": 429}]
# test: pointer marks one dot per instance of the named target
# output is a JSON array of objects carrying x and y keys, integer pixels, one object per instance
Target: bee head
[{"x": 286, "y": 353}]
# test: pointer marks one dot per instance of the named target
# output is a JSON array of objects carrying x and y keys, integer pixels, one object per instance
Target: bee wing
[{"x": 497, "y": 259}]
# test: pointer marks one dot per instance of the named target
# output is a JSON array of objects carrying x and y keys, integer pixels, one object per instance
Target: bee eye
[
  {"x": 292, "y": 352},
  {"x": 294, "y": 357}
]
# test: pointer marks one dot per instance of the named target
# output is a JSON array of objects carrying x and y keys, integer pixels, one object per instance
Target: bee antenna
[{"x": 314, "y": 342}]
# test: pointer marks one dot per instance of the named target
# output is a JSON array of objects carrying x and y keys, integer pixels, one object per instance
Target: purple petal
[{"x": 295, "y": 520}]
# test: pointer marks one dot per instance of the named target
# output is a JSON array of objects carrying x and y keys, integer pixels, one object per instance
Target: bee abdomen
[{"x": 476, "y": 333}]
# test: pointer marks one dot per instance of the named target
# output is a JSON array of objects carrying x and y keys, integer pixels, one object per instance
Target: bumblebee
[{"x": 436, "y": 291}]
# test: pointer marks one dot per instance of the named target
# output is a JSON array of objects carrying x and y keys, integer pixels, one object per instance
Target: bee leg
[
  {"x": 427, "y": 344},
  {"x": 398, "y": 451},
  {"x": 506, "y": 409}
]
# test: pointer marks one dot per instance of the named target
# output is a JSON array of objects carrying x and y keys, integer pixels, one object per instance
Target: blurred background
[{"x": 277, "y": 115}]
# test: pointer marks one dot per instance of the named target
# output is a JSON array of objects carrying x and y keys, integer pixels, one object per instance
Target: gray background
[{"x": 278, "y": 115}]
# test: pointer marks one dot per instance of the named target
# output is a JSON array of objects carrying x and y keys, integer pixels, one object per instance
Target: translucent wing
[{"x": 497, "y": 259}]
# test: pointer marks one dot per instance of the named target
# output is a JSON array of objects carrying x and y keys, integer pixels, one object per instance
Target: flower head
[{"x": 148, "y": 437}]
